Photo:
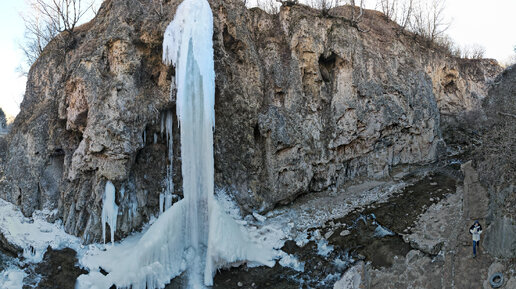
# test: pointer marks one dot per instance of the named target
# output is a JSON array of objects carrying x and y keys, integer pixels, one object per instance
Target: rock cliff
[
  {"x": 496, "y": 164},
  {"x": 304, "y": 103}
]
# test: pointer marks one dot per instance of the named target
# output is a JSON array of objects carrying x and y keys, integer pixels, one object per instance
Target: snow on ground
[
  {"x": 33, "y": 235},
  {"x": 351, "y": 279},
  {"x": 292, "y": 262},
  {"x": 292, "y": 223},
  {"x": 12, "y": 278}
]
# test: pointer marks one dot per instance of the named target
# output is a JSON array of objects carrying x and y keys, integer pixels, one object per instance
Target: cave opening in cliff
[{"x": 327, "y": 66}]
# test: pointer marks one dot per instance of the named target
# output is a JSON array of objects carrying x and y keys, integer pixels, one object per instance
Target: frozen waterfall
[{"x": 195, "y": 235}]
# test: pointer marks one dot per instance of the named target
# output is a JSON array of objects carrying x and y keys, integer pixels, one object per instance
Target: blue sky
[
  {"x": 488, "y": 23},
  {"x": 11, "y": 83}
]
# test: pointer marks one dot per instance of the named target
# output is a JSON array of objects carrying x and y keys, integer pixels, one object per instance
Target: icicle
[
  {"x": 168, "y": 201},
  {"x": 167, "y": 123},
  {"x": 109, "y": 211},
  {"x": 155, "y": 138},
  {"x": 161, "y": 203},
  {"x": 170, "y": 167},
  {"x": 162, "y": 124}
]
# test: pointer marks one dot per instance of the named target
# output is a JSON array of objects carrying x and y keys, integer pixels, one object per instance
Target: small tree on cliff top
[
  {"x": 399, "y": 11},
  {"x": 45, "y": 21},
  {"x": 429, "y": 19}
]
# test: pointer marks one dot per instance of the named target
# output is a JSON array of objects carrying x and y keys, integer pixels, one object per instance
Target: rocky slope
[
  {"x": 441, "y": 247},
  {"x": 304, "y": 104}
]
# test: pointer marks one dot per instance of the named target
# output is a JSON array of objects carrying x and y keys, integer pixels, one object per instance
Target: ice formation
[
  {"x": 34, "y": 235},
  {"x": 109, "y": 211},
  {"x": 292, "y": 262},
  {"x": 212, "y": 238},
  {"x": 381, "y": 231},
  {"x": 165, "y": 199},
  {"x": 194, "y": 235},
  {"x": 12, "y": 278}
]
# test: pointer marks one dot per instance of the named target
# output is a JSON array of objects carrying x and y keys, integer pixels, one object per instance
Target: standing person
[{"x": 475, "y": 230}]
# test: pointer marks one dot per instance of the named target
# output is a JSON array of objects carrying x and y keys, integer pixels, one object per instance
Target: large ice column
[
  {"x": 188, "y": 45},
  {"x": 213, "y": 239},
  {"x": 109, "y": 211},
  {"x": 193, "y": 23}
]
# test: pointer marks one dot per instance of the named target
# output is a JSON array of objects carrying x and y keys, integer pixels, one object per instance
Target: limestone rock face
[
  {"x": 496, "y": 165},
  {"x": 461, "y": 86},
  {"x": 304, "y": 103}
]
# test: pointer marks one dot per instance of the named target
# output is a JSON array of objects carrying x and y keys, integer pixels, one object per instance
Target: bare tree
[
  {"x": 465, "y": 52},
  {"x": 325, "y": 5},
  {"x": 38, "y": 33},
  {"x": 45, "y": 21},
  {"x": 356, "y": 17},
  {"x": 405, "y": 13},
  {"x": 63, "y": 14},
  {"x": 478, "y": 51},
  {"x": 388, "y": 7},
  {"x": 446, "y": 42},
  {"x": 283, "y": 2},
  {"x": 475, "y": 51},
  {"x": 399, "y": 11},
  {"x": 429, "y": 20}
]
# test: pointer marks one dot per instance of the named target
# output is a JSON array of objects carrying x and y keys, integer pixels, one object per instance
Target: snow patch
[
  {"x": 12, "y": 278},
  {"x": 351, "y": 279},
  {"x": 228, "y": 204},
  {"x": 35, "y": 234},
  {"x": 381, "y": 232},
  {"x": 259, "y": 217},
  {"x": 302, "y": 239},
  {"x": 323, "y": 248},
  {"x": 291, "y": 262}
]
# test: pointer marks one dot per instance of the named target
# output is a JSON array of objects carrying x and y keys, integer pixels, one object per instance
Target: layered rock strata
[{"x": 304, "y": 103}]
